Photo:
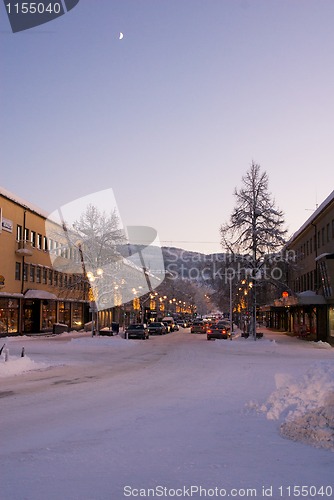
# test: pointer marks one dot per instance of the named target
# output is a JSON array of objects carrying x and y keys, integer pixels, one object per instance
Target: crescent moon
[{"x": 121, "y": 36}]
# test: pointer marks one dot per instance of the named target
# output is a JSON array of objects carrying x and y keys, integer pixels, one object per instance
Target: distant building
[
  {"x": 33, "y": 296},
  {"x": 307, "y": 309}
]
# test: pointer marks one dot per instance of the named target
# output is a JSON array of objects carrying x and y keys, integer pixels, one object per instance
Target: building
[
  {"x": 307, "y": 307},
  {"x": 33, "y": 295}
]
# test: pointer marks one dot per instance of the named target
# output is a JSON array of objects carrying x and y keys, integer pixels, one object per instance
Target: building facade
[
  {"x": 307, "y": 309},
  {"x": 33, "y": 296}
]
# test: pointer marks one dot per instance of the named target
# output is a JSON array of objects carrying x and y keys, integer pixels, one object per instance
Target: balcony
[{"x": 24, "y": 248}]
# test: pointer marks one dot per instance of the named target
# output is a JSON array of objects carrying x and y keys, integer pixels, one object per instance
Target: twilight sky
[{"x": 171, "y": 116}]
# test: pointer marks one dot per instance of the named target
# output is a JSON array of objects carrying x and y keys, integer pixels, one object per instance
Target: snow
[{"x": 99, "y": 418}]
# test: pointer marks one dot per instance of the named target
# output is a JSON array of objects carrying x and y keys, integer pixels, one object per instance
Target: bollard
[
  {"x": 6, "y": 351},
  {"x": 22, "y": 352}
]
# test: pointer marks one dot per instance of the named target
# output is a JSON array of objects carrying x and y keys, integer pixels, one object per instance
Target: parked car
[
  {"x": 176, "y": 327},
  {"x": 198, "y": 326},
  {"x": 220, "y": 330},
  {"x": 157, "y": 328},
  {"x": 137, "y": 331}
]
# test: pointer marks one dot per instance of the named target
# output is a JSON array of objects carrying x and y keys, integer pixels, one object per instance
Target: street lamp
[{"x": 94, "y": 296}]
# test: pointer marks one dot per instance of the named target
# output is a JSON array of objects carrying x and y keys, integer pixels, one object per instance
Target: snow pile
[
  {"x": 17, "y": 365},
  {"x": 306, "y": 406}
]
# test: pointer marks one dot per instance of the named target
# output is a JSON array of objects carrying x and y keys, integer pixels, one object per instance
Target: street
[{"x": 108, "y": 417}]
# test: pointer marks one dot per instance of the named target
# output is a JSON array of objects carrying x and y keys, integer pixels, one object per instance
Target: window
[
  {"x": 50, "y": 276},
  {"x": 327, "y": 232},
  {"x": 45, "y": 275},
  {"x": 39, "y": 241},
  {"x": 323, "y": 236},
  {"x": 32, "y": 272},
  {"x": 33, "y": 238},
  {"x": 45, "y": 243},
  {"x": 318, "y": 239},
  {"x": 26, "y": 234},
  {"x": 25, "y": 272},
  {"x": 311, "y": 245},
  {"x": 19, "y": 233},
  {"x": 17, "y": 270},
  {"x": 38, "y": 274}
]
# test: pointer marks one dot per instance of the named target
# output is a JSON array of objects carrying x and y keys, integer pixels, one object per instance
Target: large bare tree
[{"x": 255, "y": 231}]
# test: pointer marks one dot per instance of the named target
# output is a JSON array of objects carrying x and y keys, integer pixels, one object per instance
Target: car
[
  {"x": 220, "y": 330},
  {"x": 176, "y": 327},
  {"x": 170, "y": 321},
  {"x": 167, "y": 325},
  {"x": 137, "y": 331},
  {"x": 182, "y": 323},
  {"x": 198, "y": 326},
  {"x": 157, "y": 328}
]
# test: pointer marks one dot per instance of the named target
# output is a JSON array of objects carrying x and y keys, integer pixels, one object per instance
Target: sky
[
  {"x": 100, "y": 417},
  {"x": 172, "y": 115}
]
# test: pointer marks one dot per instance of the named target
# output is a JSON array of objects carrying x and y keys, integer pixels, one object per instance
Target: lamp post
[{"x": 94, "y": 296}]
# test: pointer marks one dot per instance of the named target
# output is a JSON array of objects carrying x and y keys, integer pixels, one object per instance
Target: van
[{"x": 170, "y": 321}]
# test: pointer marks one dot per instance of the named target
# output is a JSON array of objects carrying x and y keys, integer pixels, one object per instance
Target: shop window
[
  {"x": 17, "y": 270},
  {"x": 331, "y": 321},
  {"x": 48, "y": 314},
  {"x": 64, "y": 313},
  {"x": 77, "y": 315},
  {"x": 9, "y": 315}
]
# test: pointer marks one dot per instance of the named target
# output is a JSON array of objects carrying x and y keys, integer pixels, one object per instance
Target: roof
[
  {"x": 313, "y": 217},
  {"x": 20, "y": 201}
]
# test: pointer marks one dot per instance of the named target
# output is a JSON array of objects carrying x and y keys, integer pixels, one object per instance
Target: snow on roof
[
  {"x": 25, "y": 204},
  {"x": 315, "y": 214}
]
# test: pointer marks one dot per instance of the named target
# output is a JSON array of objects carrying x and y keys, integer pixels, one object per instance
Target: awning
[
  {"x": 39, "y": 294},
  {"x": 307, "y": 298}
]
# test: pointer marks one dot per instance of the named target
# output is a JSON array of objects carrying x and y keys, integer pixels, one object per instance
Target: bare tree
[{"x": 255, "y": 230}]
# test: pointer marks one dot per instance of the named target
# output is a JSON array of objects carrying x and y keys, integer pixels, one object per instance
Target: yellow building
[{"x": 34, "y": 297}]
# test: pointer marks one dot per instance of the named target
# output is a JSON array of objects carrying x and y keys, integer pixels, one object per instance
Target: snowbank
[
  {"x": 305, "y": 406},
  {"x": 17, "y": 365}
]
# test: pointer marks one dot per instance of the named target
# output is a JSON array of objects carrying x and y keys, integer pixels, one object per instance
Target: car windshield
[
  {"x": 155, "y": 324},
  {"x": 136, "y": 327}
]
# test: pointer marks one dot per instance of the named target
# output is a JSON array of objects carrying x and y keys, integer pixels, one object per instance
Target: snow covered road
[{"x": 104, "y": 418}]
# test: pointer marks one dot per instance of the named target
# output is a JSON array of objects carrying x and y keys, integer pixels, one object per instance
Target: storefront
[{"x": 9, "y": 315}]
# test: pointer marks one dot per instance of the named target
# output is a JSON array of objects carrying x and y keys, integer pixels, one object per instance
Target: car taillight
[
  {"x": 223, "y": 330},
  {"x": 209, "y": 331}
]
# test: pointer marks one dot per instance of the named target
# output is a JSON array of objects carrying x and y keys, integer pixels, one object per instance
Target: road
[{"x": 170, "y": 410}]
